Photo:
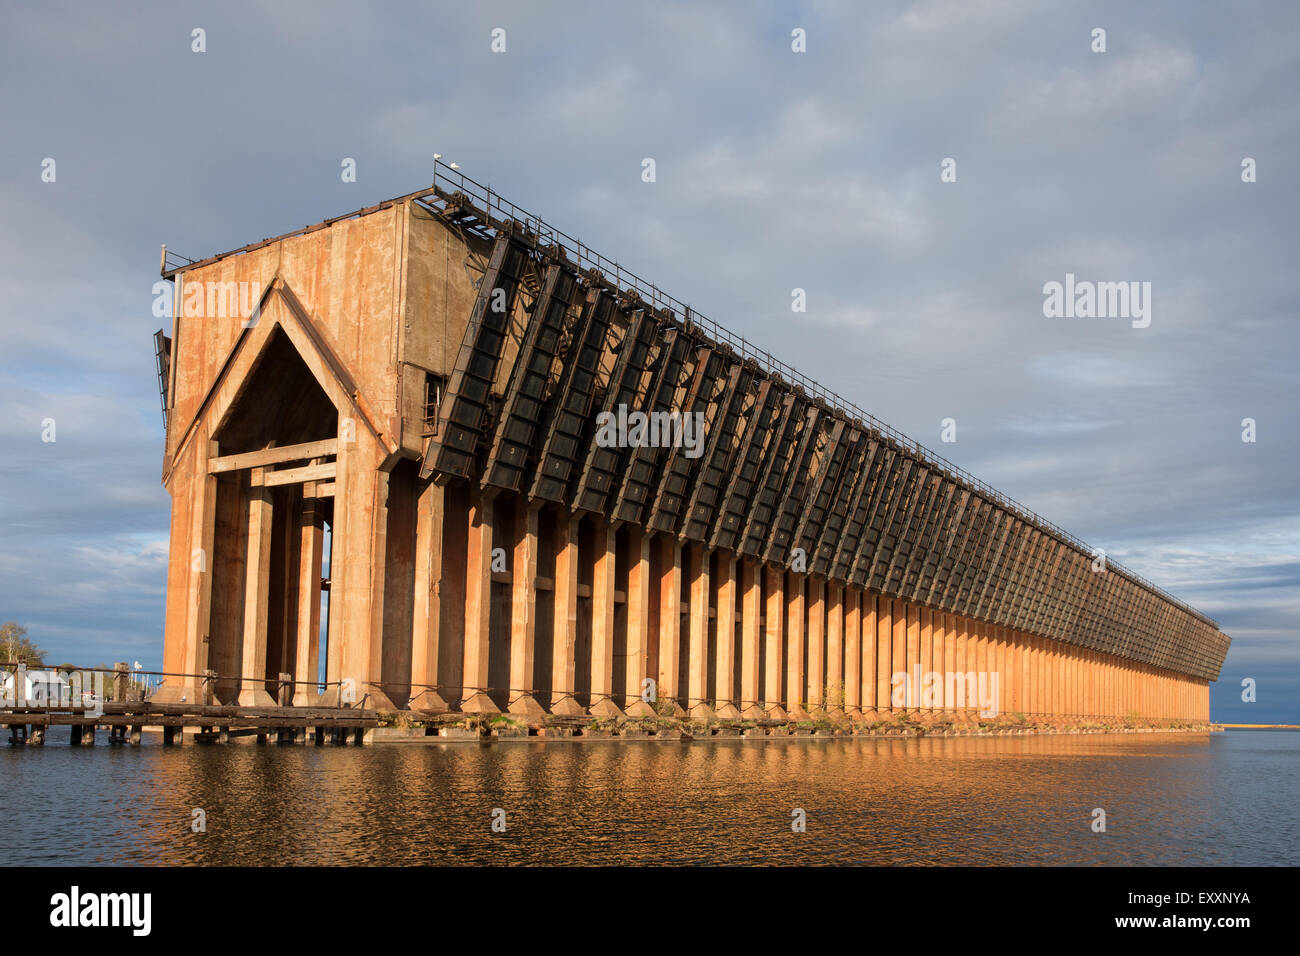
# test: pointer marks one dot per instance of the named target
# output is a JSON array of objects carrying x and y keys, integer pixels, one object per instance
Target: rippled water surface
[{"x": 1227, "y": 798}]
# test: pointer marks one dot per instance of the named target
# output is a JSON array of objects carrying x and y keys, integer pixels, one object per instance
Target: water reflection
[{"x": 1169, "y": 799}]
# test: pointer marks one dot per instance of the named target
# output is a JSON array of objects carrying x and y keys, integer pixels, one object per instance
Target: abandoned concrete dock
[{"x": 386, "y": 479}]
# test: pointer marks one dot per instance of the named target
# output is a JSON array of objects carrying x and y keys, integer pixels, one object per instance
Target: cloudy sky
[{"x": 775, "y": 170}]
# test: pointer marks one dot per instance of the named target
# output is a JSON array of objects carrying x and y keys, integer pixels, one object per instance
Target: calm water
[{"x": 1170, "y": 799}]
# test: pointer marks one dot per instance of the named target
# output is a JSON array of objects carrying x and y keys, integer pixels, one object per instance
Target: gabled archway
[{"x": 271, "y": 517}]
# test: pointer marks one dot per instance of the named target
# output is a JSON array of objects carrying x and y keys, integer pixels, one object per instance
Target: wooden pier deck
[{"x": 124, "y": 722}]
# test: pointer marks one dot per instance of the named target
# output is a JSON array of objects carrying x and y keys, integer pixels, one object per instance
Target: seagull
[
  {"x": 437, "y": 155},
  {"x": 455, "y": 165}
]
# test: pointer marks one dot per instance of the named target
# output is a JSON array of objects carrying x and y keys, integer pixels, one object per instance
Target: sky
[{"x": 774, "y": 170}]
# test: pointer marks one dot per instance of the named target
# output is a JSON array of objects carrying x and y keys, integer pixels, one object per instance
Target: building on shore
[{"x": 451, "y": 459}]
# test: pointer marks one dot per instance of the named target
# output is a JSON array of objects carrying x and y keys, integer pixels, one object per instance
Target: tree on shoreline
[{"x": 17, "y": 647}]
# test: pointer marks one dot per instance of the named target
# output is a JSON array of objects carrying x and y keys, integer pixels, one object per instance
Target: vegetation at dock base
[{"x": 819, "y": 722}]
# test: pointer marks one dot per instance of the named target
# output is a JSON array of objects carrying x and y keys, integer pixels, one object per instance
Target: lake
[{"x": 1227, "y": 798}]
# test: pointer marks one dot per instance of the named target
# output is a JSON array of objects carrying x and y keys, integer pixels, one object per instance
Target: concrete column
[
  {"x": 950, "y": 662},
  {"x": 725, "y": 634},
  {"x": 898, "y": 663},
  {"x": 1112, "y": 688},
  {"x": 1058, "y": 679},
  {"x": 775, "y": 641},
  {"x": 1042, "y": 662},
  {"x": 834, "y": 647},
  {"x": 884, "y": 653},
  {"x": 816, "y": 590},
  {"x": 257, "y": 584},
  {"x": 913, "y": 656},
  {"x": 851, "y": 601},
  {"x": 1022, "y": 675},
  {"x": 603, "y": 583},
  {"x": 926, "y": 701},
  {"x": 1049, "y": 680},
  {"x": 750, "y": 620},
  {"x": 427, "y": 622},
  {"x": 523, "y": 618},
  {"x": 697, "y": 690},
  {"x": 1076, "y": 683},
  {"x": 638, "y": 622},
  {"x": 995, "y": 662},
  {"x": 870, "y": 655},
  {"x": 565, "y": 627},
  {"x": 1090, "y": 683},
  {"x": 1067, "y": 679},
  {"x": 796, "y": 683},
  {"x": 1040, "y": 677},
  {"x": 311, "y": 538},
  {"x": 199, "y": 617},
  {"x": 944, "y": 656},
  {"x": 670, "y": 620},
  {"x": 960, "y": 644},
  {"x": 478, "y": 607}
]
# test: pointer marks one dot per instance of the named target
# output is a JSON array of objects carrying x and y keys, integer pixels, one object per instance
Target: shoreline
[{"x": 400, "y": 728}]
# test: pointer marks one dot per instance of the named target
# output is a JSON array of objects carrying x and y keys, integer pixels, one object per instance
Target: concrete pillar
[
  {"x": 926, "y": 701},
  {"x": 884, "y": 653},
  {"x": 1045, "y": 669},
  {"x": 816, "y": 636},
  {"x": 725, "y": 632},
  {"x": 898, "y": 699},
  {"x": 796, "y": 683},
  {"x": 697, "y": 691},
  {"x": 639, "y": 611},
  {"x": 603, "y": 583},
  {"x": 311, "y": 540},
  {"x": 1076, "y": 682},
  {"x": 998, "y": 666},
  {"x": 565, "y": 622},
  {"x": 961, "y": 662},
  {"x": 750, "y": 621},
  {"x": 851, "y": 602},
  {"x": 775, "y": 643},
  {"x": 1067, "y": 679},
  {"x": 1035, "y": 675},
  {"x": 1022, "y": 675},
  {"x": 523, "y": 612},
  {"x": 944, "y": 656},
  {"x": 670, "y": 620},
  {"x": 1090, "y": 683},
  {"x": 257, "y": 585},
  {"x": 1044, "y": 678},
  {"x": 478, "y": 606},
  {"x": 913, "y": 656},
  {"x": 870, "y": 655},
  {"x": 427, "y": 622},
  {"x": 199, "y": 619},
  {"x": 834, "y": 647},
  {"x": 1058, "y": 679},
  {"x": 950, "y": 662}
]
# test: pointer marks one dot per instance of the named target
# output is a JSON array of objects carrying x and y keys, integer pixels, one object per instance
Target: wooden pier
[{"x": 124, "y": 723}]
